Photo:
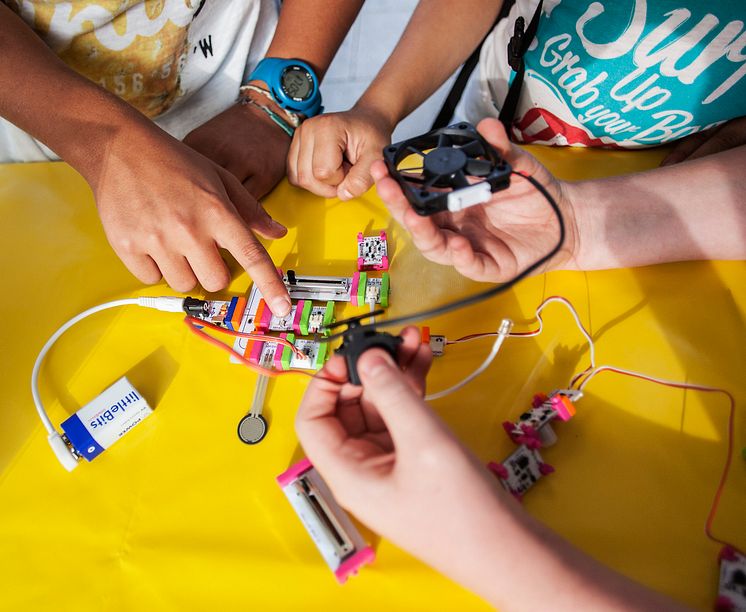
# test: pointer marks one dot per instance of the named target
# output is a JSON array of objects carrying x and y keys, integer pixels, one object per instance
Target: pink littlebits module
[
  {"x": 372, "y": 252},
  {"x": 329, "y": 526},
  {"x": 732, "y": 587}
]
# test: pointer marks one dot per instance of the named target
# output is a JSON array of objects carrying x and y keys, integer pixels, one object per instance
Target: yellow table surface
[{"x": 180, "y": 515}]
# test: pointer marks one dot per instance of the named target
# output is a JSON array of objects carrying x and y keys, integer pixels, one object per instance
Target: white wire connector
[
  {"x": 503, "y": 331},
  {"x": 163, "y": 303}
]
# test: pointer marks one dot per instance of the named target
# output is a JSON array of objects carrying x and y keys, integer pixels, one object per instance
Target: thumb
[
  {"x": 494, "y": 132},
  {"x": 358, "y": 179},
  {"x": 410, "y": 421}
]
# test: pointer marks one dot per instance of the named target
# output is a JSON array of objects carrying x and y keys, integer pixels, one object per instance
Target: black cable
[{"x": 491, "y": 292}]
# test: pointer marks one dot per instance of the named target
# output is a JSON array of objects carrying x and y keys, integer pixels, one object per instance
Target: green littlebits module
[
  {"x": 321, "y": 356},
  {"x": 287, "y": 353},
  {"x": 385, "y": 290},
  {"x": 361, "y": 287},
  {"x": 328, "y": 316}
]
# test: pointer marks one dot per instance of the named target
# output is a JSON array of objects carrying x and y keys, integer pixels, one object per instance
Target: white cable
[
  {"x": 654, "y": 379},
  {"x": 571, "y": 308},
  {"x": 502, "y": 333},
  {"x": 533, "y": 334},
  {"x": 64, "y": 454}
]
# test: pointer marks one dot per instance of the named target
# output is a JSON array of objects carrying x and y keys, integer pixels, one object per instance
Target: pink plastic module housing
[
  {"x": 351, "y": 565},
  {"x": 279, "y": 350},
  {"x": 293, "y": 472},
  {"x": 298, "y": 316},
  {"x": 354, "y": 289},
  {"x": 528, "y": 435},
  {"x": 257, "y": 346},
  {"x": 362, "y": 264}
]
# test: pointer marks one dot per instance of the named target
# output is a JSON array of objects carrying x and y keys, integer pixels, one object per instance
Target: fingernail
[
  {"x": 378, "y": 363},
  {"x": 345, "y": 195},
  {"x": 280, "y": 306}
]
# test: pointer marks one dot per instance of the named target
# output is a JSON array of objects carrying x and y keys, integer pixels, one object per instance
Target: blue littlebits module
[{"x": 101, "y": 422}]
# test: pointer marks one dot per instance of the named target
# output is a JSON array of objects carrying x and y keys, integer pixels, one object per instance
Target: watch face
[{"x": 297, "y": 83}]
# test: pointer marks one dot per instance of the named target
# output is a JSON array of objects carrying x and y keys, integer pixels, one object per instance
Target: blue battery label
[{"x": 100, "y": 423}]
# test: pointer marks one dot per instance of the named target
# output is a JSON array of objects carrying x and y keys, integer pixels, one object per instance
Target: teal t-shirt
[{"x": 631, "y": 72}]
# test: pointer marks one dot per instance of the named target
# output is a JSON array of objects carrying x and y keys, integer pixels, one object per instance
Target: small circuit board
[
  {"x": 533, "y": 428},
  {"x": 372, "y": 252},
  {"x": 313, "y": 354},
  {"x": 732, "y": 586},
  {"x": 303, "y": 319},
  {"x": 521, "y": 470},
  {"x": 531, "y": 431},
  {"x": 370, "y": 290}
]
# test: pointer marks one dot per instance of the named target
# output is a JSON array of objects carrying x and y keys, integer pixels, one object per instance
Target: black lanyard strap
[
  {"x": 517, "y": 47},
  {"x": 449, "y": 104}
]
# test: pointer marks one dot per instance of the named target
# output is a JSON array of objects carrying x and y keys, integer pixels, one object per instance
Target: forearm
[
  {"x": 516, "y": 563},
  {"x": 437, "y": 40},
  {"x": 70, "y": 114},
  {"x": 312, "y": 30},
  {"x": 691, "y": 211}
]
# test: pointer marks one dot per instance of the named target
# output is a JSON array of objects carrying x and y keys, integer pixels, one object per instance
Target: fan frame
[{"x": 428, "y": 201}]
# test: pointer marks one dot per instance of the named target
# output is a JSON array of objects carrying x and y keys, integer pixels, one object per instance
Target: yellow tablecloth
[{"x": 180, "y": 515}]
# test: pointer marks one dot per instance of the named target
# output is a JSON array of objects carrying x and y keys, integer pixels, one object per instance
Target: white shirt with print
[{"x": 181, "y": 62}]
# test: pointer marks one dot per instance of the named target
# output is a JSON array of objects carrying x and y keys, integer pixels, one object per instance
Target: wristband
[
  {"x": 279, "y": 121},
  {"x": 293, "y": 118}
]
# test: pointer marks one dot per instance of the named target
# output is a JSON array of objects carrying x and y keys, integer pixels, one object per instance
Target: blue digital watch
[{"x": 292, "y": 82}]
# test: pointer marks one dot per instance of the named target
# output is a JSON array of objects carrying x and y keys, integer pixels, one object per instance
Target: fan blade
[
  {"x": 444, "y": 140},
  {"x": 460, "y": 180},
  {"x": 432, "y": 180},
  {"x": 412, "y": 178},
  {"x": 472, "y": 148},
  {"x": 478, "y": 167}
]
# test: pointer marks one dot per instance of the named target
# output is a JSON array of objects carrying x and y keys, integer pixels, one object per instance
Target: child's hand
[
  {"x": 494, "y": 241},
  {"x": 393, "y": 463},
  {"x": 331, "y": 154},
  {"x": 247, "y": 143},
  {"x": 166, "y": 211},
  {"x": 729, "y": 135}
]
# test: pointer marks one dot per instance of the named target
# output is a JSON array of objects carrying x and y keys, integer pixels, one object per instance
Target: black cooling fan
[{"x": 447, "y": 169}]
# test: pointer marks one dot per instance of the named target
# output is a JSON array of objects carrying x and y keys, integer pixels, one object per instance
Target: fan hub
[{"x": 444, "y": 161}]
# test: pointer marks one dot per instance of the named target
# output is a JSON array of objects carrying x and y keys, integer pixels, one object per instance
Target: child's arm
[
  {"x": 165, "y": 208},
  {"x": 331, "y": 154},
  {"x": 688, "y": 211},
  {"x": 395, "y": 465},
  {"x": 243, "y": 139}
]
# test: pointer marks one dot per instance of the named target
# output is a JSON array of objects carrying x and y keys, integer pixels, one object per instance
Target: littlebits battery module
[{"x": 101, "y": 422}]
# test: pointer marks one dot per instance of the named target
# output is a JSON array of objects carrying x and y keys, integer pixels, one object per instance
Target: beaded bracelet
[
  {"x": 293, "y": 118},
  {"x": 288, "y": 129}
]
